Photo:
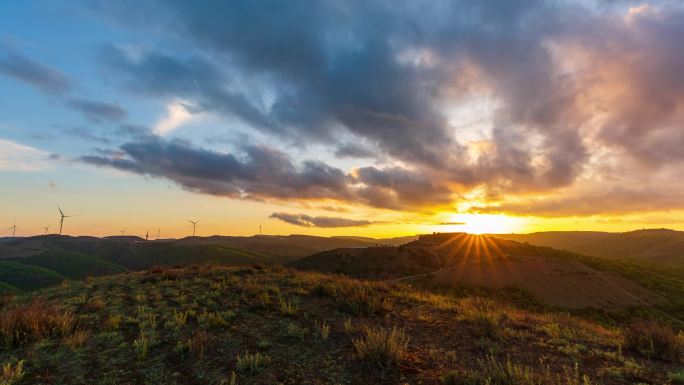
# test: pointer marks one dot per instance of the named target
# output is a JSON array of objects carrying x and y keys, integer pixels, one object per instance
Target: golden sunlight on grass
[{"x": 482, "y": 224}]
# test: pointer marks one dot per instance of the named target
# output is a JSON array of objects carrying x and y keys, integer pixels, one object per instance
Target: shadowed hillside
[
  {"x": 35, "y": 262},
  {"x": 226, "y": 326}
]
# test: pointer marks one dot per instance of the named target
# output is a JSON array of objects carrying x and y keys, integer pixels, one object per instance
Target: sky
[{"x": 376, "y": 118}]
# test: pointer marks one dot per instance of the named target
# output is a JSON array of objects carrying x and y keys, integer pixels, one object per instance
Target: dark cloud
[
  {"x": 258, "y": 173},
  {"x": 37, "y": 74},
  {"x": 354, "y": 150},
  {"x": 396, "y": 188},
  {"x": 97, "y": 111},
  {"x": 573, "y": 85},
  {"x": 309, "y": 221}
]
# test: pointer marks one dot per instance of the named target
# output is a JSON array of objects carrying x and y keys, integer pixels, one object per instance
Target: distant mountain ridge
[
  {"x": 654, "y": 245},
  {"x": 28, "y": 263}
]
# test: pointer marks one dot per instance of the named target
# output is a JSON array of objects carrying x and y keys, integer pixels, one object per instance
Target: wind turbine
[
  {"x": 13, "y": 228},
  {"x": 46, "y": 229},
  {"x": 158, "y": 232},
  {"x": 122, "y": 232},
  {"x": 61, "y": 219},
  {"x": 194, "y": 225}
]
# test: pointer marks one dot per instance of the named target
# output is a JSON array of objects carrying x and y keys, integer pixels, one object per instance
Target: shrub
[
  {"x": 252, "y": 363},
  {"x": 380, "y": 347},
  {"x": 654, "y": 340},
  {"x": 36, "y": 321},
  {"x": 11, "y": 374}
]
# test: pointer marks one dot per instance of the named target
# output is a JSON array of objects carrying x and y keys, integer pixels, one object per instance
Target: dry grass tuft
[
  {"x": 654, "y": 340},
  {"x": 380, "y": 347},
  {"x": 12, "y": 374},
  {"x": 77, "y": 339},
  {"x": 35, "y": 321},
  {"x": 356, "y": 297}
]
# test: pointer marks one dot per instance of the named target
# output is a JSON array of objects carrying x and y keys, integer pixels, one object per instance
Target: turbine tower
[
  {"x": 61, "y": 219},
  {"x": 158, "y": 232},
  {"x": 46, "y": 229},
  {"x": 13, "y": 228},
  {"x": 194, "y": 225}
]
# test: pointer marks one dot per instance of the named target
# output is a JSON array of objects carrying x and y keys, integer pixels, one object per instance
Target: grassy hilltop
[{"x": 244, "y": 325}]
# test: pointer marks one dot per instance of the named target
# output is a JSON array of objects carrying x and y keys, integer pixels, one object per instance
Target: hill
[
  {"x": 60, "y": 257},
  {"x": 555, "y": 277},
  {"x": 218, "y": 325},
  {"x": 287, "y": 248},
  {"x": 652, "y": 245}
]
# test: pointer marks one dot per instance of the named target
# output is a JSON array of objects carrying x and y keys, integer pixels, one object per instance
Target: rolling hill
[
  {"x": 244, "y": 325},
  {"x": 652, "y": 245},
  {"x": 555, "y": 277},
  {"x": 36, "y": 262}
]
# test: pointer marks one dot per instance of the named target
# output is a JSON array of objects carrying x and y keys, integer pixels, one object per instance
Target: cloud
[
  {"x": 451, "y": 223},
  {"x": 309, "y": 221},
  {"x": 177, "y": 114},
  {"x": 18, "y": 157},
  {"x": 577, "y": 98},
  {"x": 97, "y": 111},
  {"x": 612, "y": 201},
  {"x": 258, "y": 173},
  {"x": 37, "y": 74},
  {"x": 354, "y": 150}
]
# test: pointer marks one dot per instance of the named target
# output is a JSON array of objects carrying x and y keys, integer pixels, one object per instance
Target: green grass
[
  {"x": 27, "y": 277},
  {"x": 71, "y": 264},
  {"x": 220, "y": 325},
  {"x": 7, "y": 288}
]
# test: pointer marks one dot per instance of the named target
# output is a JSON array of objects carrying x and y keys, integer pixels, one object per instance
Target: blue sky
[{"x": 379, "y": 118}]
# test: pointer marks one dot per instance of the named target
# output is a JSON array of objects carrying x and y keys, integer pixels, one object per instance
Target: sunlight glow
[{"x": 483, "y": 223}]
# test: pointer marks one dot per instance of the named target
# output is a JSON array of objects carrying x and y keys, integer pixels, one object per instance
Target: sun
[{"x": 482, "y": 224}]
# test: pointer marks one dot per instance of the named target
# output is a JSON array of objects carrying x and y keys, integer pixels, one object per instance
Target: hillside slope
[
  {"x": 482, "y": 261},
  {"x": 264, "y": 326}
]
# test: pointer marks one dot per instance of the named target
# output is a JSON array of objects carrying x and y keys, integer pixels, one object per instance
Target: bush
[
  {"x": 654, "y": 340},
  {"x": 380, "y": 347},
  {"x": 35, "y": 321}
]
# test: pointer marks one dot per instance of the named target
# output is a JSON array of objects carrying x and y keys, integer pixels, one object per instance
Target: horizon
[
  {"x": 376, "y": 119},
  {"x": 200, "y": 236}
]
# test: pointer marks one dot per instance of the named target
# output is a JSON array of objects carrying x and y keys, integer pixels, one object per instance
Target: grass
[
  {"x": 252, "y": 363},
  {"x": 34, "y": 322},
  {"x": 653, "y": 340},
  {"x": 211, "y": 325},
  {"x": 380, "y": 347},
  {"x": 12, "y": 373},
  {"x": 28, "y": 277}
]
